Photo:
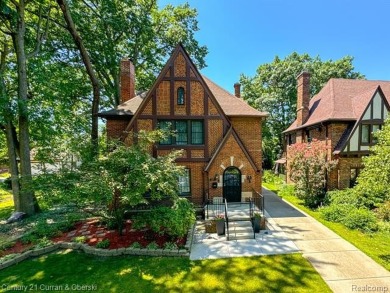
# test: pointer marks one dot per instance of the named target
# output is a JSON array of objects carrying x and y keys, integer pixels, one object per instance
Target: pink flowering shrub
[{"x": 309, "y": 166}]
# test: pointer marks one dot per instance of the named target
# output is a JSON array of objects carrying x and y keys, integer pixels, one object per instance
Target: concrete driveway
[{"x": 343, "y": 267}]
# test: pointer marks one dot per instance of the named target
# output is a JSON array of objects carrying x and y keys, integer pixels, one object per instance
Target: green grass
[
  {"x": 375, "y": 245},
  {"x": 6, "y": 204},
  {"x": 280, "y": 273}
]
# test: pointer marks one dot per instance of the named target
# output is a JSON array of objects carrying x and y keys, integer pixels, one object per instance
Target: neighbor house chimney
[
  {"x": 303, "y": 97},
  {"x": 237, "y": 90},
  {"x": 127, "y": 80}
]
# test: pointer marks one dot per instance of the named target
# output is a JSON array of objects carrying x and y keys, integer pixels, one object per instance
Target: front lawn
[
  {"x": 375, "y": 245},
  {"x": 6, "y": 204},
  {"x": 280, "y": 273}
]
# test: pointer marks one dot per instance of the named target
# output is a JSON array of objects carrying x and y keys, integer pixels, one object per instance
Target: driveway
[{"x": 343, "y": 267}]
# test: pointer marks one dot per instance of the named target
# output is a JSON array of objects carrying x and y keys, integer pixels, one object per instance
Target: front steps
[{"x": 240, "y": 230}]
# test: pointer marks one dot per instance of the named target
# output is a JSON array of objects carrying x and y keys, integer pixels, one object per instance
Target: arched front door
[{"x": 232, "y": 184}]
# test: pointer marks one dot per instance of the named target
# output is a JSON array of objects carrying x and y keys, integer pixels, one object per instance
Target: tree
[
  {"x": 139, "y": 30},
  {"x": 121, "y": 179},
  {"x": 273, "y": 89},
  {"x": 373, "y": 182},
  {"x": 63, "y": 4},
  {"x": 13, "y": 16},
  {"x": 309, "y": 167}
]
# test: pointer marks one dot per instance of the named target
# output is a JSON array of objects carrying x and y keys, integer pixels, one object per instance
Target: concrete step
[{"x": 240, "y": 230}]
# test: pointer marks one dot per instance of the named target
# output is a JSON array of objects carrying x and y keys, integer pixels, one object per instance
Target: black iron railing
[
  {"x": 258, "y": 200},
  {"x": 226, "y": 220}
]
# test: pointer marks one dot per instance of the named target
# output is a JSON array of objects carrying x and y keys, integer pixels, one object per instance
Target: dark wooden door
[{"x": 232, "y": 184}]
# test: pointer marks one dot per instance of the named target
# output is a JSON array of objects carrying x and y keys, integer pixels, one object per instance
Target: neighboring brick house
[
  {"x": 343, "y": 115},
  {"x": 219, "y": 133}
]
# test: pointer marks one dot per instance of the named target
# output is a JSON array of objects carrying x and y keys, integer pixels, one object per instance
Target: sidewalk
[{"x": 343, "y": 267}]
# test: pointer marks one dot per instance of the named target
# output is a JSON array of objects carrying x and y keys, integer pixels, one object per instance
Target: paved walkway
[{"x": 343, "y": 267}]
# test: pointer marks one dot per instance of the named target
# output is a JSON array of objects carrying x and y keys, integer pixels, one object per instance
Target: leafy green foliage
[
  {"x": 309, "y": 166},
  {"x": 270, "y": 177},
  {"x": 174, "y": 221},
  {"x": 123, "y": 178},
  {"x": 360, "y": 218},
  {"x": 273, "y": 89},
  {"x": 152, "y": 245},
  {"x": 373, "y": 183},
  {"x": 383, "y": 211},
  {"x": 135, "y": 245},
  {"x": 103, "y": 244}
]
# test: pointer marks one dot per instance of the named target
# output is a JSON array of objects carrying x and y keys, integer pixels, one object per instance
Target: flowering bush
[{"x": 309, "y": 166}]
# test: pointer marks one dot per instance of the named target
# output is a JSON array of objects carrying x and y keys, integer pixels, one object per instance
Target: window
[
  {"x": 187, "y": 132},
  {"x": 185, "y": 183},
  {"x": 180, "y": 96},
  {"x": 166, "y": 125},
  {"x": 354, "y": 174},
  {"x": 197, "y": 132},
  {"x": 181, "y": 132},
  {"x": 367, "y": 131}
]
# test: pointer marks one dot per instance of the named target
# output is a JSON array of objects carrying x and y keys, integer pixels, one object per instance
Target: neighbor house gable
[{"x": 372, "y": 108}]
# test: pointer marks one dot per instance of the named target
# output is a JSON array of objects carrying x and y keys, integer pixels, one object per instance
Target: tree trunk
[
  {"x": 63, "y": 4},
  {"x": 13, "y": 165},
  {"x": 27, "y": 200},
  {"x": 10, "y": 132}
]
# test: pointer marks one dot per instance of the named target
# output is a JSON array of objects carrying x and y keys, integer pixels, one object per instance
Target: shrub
[
  {"x": 103, "y": 244},
  {"x": 79, "y": 239},
  {"x": 383, "y": 212},
  {"x": 362, "y": 219},
  {"x": 43, "y": 242},
  {"x": 336, "y": 213},
  {"x": 309, "y": 166},
  {"x": 152, "y": 245},
  {"x": 270, "y": 177},
  {"x": 175, "y": 220},
  {"x": 286, "y": 190},
  {"x": 135, "y": 245},
  {"x": 170, "y": 246}
]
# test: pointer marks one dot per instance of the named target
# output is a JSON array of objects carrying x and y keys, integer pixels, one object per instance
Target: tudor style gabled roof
[
  {"x": 341, "y": 100},
  {"x": 228, "y": 104}
]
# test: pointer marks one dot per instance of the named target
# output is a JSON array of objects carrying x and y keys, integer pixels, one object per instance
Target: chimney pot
[
  {"x": 127, "y": 80},
  {"x": 237, "y": 90}
]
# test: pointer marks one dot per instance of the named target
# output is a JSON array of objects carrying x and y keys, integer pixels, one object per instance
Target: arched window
[{"x": 180, "y": 96}]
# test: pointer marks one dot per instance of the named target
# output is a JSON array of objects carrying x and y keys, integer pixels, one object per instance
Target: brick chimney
[
  {"x": 127, "y": 80},
  {"x": 303, "y": 97},
  {"x": 237, "y": 90}
]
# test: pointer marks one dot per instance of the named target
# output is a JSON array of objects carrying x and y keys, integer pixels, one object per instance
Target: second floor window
[
  {"x": 367, "y": 131},
  {"x": 187, "y": 132},
  {"x": 180, "y": 96}
]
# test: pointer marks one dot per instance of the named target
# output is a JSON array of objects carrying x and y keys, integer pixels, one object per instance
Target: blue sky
[{"x": 243, "y": 34}]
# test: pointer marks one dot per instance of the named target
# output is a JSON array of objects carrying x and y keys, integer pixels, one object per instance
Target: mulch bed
[{"x": 94, "y": 232}]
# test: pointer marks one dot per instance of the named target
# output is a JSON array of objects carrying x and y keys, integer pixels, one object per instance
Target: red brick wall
[
  {"x": 335, "y": 131},
  {"x": 115, "y": 128},
  {"x": 249, "y": 131}
]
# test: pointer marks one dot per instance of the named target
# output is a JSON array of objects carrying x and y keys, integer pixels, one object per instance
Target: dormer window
[{"x": 180, "y": 96}]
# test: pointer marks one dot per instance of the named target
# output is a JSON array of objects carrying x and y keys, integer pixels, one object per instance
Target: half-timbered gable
[{"x": 344, "y": 115}]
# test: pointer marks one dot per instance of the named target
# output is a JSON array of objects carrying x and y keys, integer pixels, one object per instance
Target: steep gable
[{"x": 371, "y": 108}]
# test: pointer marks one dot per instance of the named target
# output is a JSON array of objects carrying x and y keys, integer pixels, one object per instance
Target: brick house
[
  {"x": 343, "y": 115},
  {"x": 219, "y": 133}
]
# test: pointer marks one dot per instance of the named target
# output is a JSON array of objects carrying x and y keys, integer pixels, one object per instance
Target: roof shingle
[{"x": 342, "y": 99}]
